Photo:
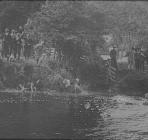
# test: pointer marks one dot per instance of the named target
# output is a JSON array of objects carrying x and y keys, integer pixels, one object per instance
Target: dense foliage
[
  {"x": 75, "y": 30},
  {"x": 15, "y": 13},
  {"x": 126, "y": 18}
]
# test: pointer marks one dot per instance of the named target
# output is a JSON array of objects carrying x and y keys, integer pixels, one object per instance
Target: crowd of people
[
  {"x": 139, "y": 58},
  {"x": 15, "y": 43},
  {"x": 136, "y": 59}
]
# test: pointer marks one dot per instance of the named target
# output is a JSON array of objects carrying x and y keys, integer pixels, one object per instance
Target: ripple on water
[
  {"x": 127, "y": 122},
  {"x": 118, "y": 117}
]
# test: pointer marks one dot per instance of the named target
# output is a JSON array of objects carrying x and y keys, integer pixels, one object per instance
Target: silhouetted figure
[
  {"x": 27, "y": 47},
  {"x": 146, "y": 55},
  {"x": 141, "y": 61},
  {"x": 113, "y": 55},
  {"x": 138, "y": 60},
  {"x": 131, "y": 61},
  {"x": 19, "y": 45},
  {"x": 13, "y": 48},
  {"x": 6, "y": 44}
]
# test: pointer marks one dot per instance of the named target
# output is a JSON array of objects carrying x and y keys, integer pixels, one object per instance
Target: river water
[{"x": 74, "y": 117}]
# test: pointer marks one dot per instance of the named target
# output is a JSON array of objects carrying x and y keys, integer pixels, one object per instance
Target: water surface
[{"x": 74, "y": 117}]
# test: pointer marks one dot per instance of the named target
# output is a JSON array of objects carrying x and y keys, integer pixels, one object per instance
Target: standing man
[
  {"x": 131, "y": 61},
  {"x": 6, "y": 44},
  {"x": 142, "y": 60},
  {"x": 27, "y": 47},
  {"x": 19, "y": 44},
  {"x": 13, "y": 49},
  {"x": 137, "y": 59},
  {"x": 113, "y": 55}
]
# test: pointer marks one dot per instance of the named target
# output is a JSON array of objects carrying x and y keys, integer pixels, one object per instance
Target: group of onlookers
[
  {"x": 136, "y": 59},
  {"x": 15, "y": 43},
  {"x": 139, "y": 58}
]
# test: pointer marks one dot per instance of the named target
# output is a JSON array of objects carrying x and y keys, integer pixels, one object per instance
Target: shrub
[
  {"x": 94, "y": 75},
  {"x": 134, "y": 82}
]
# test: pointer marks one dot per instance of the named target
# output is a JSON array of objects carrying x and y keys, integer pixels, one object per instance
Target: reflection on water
[{"x": 96, "y": 117}]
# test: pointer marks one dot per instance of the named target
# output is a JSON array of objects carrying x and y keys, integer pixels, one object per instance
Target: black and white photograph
[{"x": 74, "y": 70}]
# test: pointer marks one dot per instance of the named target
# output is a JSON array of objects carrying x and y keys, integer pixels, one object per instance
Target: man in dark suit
[
  {"x": 19, "y": 44},
  {"x": 113, "y": 55},
  {"x": 6, "y": 44},
  {"x": 28, "y": 46}
]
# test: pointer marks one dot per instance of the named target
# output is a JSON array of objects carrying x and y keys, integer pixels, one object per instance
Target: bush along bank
[
  {"x": 91, "y": 77},
  {"x": 134, "y": 84},
  {"x": 25, "y": 76},
  {"x": 52, "y": 77},
  {"x": 94, "y": 76}
]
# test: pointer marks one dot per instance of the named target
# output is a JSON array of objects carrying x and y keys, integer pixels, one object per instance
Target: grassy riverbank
[{"x": 22, "y": 72}]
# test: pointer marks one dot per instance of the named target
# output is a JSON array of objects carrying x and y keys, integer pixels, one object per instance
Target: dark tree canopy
[{"x": 15, "y": 13}]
